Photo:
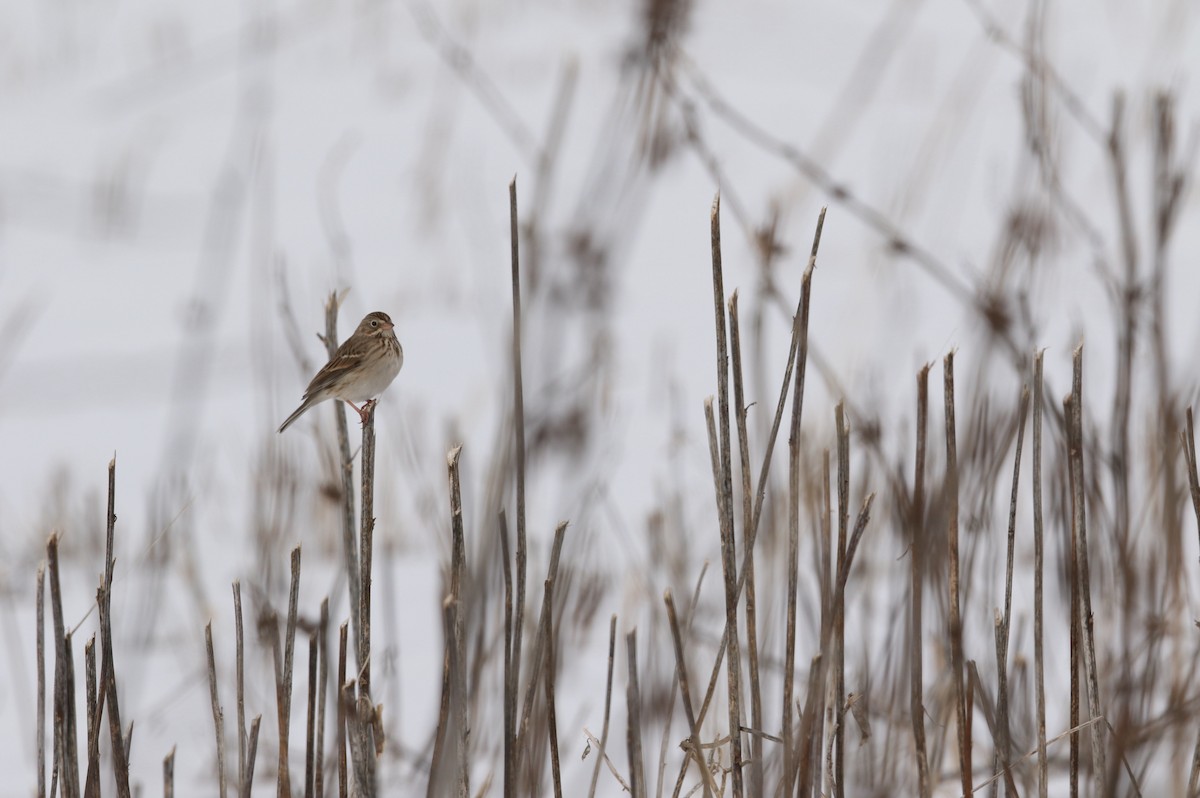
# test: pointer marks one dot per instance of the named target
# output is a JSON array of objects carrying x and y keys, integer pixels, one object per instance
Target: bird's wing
[{"x": 344, "y": 359}]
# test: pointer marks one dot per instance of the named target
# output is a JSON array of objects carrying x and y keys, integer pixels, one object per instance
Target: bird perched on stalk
[{"x": 361, "y": 368}]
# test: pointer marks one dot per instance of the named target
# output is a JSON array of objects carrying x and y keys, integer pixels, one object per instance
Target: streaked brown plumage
[{"x": 363, "y": 366}]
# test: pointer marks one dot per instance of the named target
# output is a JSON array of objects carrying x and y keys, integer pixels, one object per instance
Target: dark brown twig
[
  {"x": 92, "y": 698},
  {"x": 64, "y": 694},
  {"x": 1038, "y": 556},
  {"x": 169, "y": 774},
  {"x": 310, "y": 750},
  {"x": 343, "y": 767},
  {"x": 349, "y": 546},
  {"x": 1079, "y": 526},
  {"x": 548, "y": 681},
  {"x": 283, "y": 677},
  {"x": 633, "y": 727},
  {"x": 239, "y": 667},
  {"x": 366, "y": 549},
  {"x": 1004, "y": 623},
  {"x": 954, "y": 625},
  {"x": 733, "y": 665},
  {"x": 251, "y": 751},
  {"x": 458, "y": 650},
  {"x": 694, "y": 750},
  {"x": 510, "y": 776},
  {"x": 217, "y": 713},
  {"x": 510, "y": 688},
  {"x": 602, "y": 752},
  {"x": 740, "y": 410},
  {"x": 322, "y": 680},
  {"x": 839, "y": 616},
  {"x": 108, "y": 670},
  {"x": 41, "y": 679},
  {"x": 916, "y": 556}
]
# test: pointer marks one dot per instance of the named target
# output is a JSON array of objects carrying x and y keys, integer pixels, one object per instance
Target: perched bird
[{"x": 363, "y": 366}]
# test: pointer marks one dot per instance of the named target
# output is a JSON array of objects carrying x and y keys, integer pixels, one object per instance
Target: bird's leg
[{"x": 364, "y": 411}]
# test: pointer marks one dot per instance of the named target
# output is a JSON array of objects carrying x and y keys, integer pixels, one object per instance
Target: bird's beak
[{"x": 388, "y": 325}]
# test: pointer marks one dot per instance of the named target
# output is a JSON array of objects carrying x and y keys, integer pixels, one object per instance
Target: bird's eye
[{"x": 374, "y": 324}]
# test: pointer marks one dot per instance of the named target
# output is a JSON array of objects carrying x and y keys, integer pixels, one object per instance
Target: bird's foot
[{"x": 364, "y": 412}]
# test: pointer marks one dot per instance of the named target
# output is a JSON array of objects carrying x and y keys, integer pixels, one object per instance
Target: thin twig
[
  {"x": 916, "y": 556},
  {"x": 41, "y": 678},
  {"x": 251, "y": 751},
  {"x": 1003, "y": 627},
  {"x": 603, "y": 741},
  {"x": 169, "y": 774},
  {"x": 366, "y": 549},
  {"x": 633, "y": 726},
  {"x": 839, "y": 619},
  {"x": 510, "y": 776},
  {"x": 310, "y": 750},
  {"x": 1038, "y": 556},
  {"x": 283, "y": 677},
  {"x": 686, "y": 695},
  {"x": 1079, "y": 524},
  {"x": 733, "y": 666},
  {"x": 604, "y": 757},
  {"x": 343, "y": 769},
  {"x": 539, "y": 642},
  {"x": 349, "y": 546},
  {"x": 241, "y": 689},
  {"x": 458, "y": 650},
  {"x": 955, "y": 621},
  {"x": 322, "y": 679},
  {"x": 217, "y": 713},
  {"x": 740, "y": 409},
  {"x": 64, "y": 699},
  {"x": 92, "y": 698},
  {"x": 548, "y": 681},
  {"x": 510, "y": 688}
]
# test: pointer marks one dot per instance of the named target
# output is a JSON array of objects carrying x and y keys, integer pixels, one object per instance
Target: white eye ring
[{"x": 374, "y": 324}]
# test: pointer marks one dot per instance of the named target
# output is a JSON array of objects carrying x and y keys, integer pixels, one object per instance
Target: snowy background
[{"x": 183, "y": 184}]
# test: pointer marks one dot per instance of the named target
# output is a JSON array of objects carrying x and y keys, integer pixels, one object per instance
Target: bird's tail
[{"x": 307, "y": 403}]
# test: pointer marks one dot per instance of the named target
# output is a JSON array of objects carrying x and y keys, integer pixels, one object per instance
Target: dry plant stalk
[
  {"x": 169, "y": 774},
  {"x": 694, "y": 749},
  {"x": 40, "y": 601},
  {"x": 510, "y": 690},
  {"x": 91, "y": 696},
  {"x": 283, "y": 675},
  {"x": 513, "y": 683},
  {"x": 1003, "y": 623},
  {"x": 955, "y": 621},
  {"x": 839, "y": 620},
  {"x": 322, "y": 679},
  {"x": 366, "y": 548},
  {"x": 916, "y": 587},
  {"x": 217, "y": 713},
  {"x": 601, "y": 753},
  {"x": 310, "y": 728},
  {"x": 633, "y": 727},
  {"x": 239, "y": 667},
  {"x": 733, "y": 665},
  {"x": 349, "y": 546},
  {"x": 756, "y": 710},
  {"x": 457, "y": 601},
  {"x": 548, "y": 681},
  {"x": 1079, "y": 533},
  {"x": 343, "y": 768},
  {"x": 1039, "y": 397},
  {"x": 251, "y": 751}
]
